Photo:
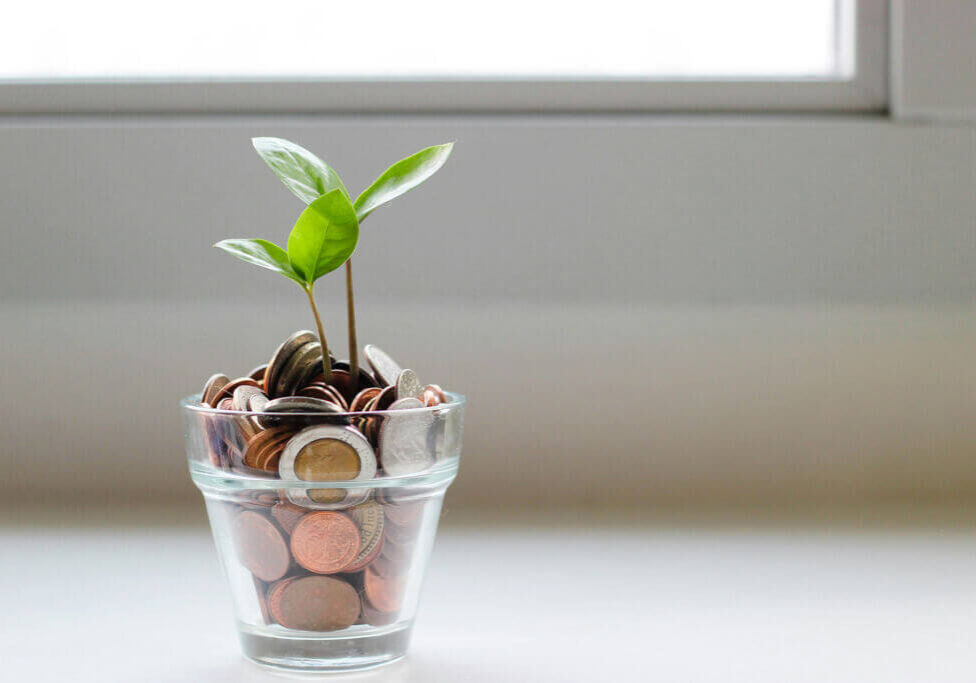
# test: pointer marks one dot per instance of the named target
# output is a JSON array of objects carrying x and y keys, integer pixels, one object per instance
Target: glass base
[{"x": 323, "y": 652}]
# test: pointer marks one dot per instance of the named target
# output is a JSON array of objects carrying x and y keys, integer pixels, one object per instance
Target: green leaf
[
  {"x": 307, "y": 176},
  {"x": 261, "y": 253},
  {"x": 324, "y": 236},
  {"x": 402, "y": 177}
]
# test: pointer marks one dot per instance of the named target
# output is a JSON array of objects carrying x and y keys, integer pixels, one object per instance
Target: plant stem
[
  {"x": 353, "y": 344},
  {"x": 326, "y": 363}
]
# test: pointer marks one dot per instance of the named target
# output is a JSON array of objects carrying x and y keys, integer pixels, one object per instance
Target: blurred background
[
  {"x": 717, "y": 251},
  {"x": 685, "y": 257}
]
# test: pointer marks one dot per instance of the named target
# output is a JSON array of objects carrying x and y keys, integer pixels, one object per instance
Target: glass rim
[{"x": 193, "y": 404}]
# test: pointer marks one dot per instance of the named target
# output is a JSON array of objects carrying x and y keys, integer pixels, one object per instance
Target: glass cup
[{"x": 323, "y": 524}]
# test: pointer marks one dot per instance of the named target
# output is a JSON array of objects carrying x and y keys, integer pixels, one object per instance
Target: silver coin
[
  {"x": 408, "y": 386},
  {"x": 346, "y": 435},
  {"x": 257, "y": 402},
  {"x": 242, "y": 396},
  {"x": 283, "y": 353},
  {"x": 385, "y": 369},
  {"x": 304, "y": 364},
  {"x": 403, "y": 438},
  {"x": 213, "y": 387},
  {"x": 306, "y": 409}
]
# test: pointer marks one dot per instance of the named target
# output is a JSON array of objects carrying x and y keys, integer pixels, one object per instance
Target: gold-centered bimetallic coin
[{"x": 327, "y": 453}]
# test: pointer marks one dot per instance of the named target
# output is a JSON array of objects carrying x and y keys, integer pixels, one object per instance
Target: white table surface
[{"x": 631, "y": 601}]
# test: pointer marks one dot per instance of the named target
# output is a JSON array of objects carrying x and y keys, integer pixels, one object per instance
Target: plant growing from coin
[{"x": 311, "y": 180}]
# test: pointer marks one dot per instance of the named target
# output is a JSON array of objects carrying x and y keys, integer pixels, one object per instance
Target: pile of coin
[
  {"x": 324, "y": 559},
  {"x": 321, "y": 570}
]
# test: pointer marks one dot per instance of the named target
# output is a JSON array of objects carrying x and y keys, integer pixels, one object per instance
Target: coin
[
  {"x": 408, "y": 386},
  {"x": 296, "y": 410},
  {"x": 384, "y": 593},
  {"x": 315, "y": 603},
  {"x": 281, "y": 356},
  {"x": 303, "y": 364},
  {"x": 263, "y": 448},
  {"x": 403, "y": 514},
  {"x": 384, "y": 566},
  {"x": 287, "y": 515},
  {"x": 228, "y": 389},
  {"x": 402, "y": 534},
  {"x": 433, "y": 396},
  {"x": 260, "y": 546},
  {"x": 257, "y": 374},
  {"x": 368, "y": 517},
  {"x": 257, "y": 402},
  {"x": 242, "y": 396},
  {"x": 403, "y": 438},
  {"x": 259, "y": 590},
  {"x": 385, "y": 369},
  {"x": 372, "y": 616},
  {"x": 366, "y": 378},
  {"x": 358, "y": 403},
  {"x": 212, "y": 388},
  {"x": 325, "y": 542},
  {"x": 327, "y": 453}
]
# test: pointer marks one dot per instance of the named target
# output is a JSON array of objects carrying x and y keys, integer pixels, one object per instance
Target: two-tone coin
[
  {"x": 403, "y": 439},
  {"x": 326, "y": 453}
]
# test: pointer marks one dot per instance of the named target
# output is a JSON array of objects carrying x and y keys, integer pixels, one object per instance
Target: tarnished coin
[
  {"x": 408, "y": 386},
  {"x": 296, "y": 410},
  {"x": 327, "y": 453},
  {"x": 403, "y": 438},
  {"x": 213, "y": 387},
  {"x": 257, "y": 374},
  {"x": 260, "y": 547},
  {"x": 384, "y": 593},
  {"x": 385, "y": 369},
  {"x": 368, "y": 517},
  {"x": 303, "y": 365},
  {"x": 315, "y": 603},
  {"x": 281, "y": 356},
  {"x": 325, "y": 542}
]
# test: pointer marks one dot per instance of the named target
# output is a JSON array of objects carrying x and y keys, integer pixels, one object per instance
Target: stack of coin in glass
[{"x": 324, "y": 559}]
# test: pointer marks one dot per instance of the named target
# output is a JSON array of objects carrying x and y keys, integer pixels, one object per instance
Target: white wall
[{"x": 638, "y": 307}]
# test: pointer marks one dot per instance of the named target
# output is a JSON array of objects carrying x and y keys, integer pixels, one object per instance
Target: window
[{"x": 108, "y": 55}]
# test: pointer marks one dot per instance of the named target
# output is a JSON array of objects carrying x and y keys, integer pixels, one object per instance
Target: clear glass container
[{"x": 324, "y": 578}]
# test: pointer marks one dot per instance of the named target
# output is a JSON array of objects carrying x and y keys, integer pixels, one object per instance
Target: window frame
[{"x": 866, "y": 90}]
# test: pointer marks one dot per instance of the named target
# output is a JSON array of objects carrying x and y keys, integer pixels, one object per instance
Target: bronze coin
[
  {"x": 274, "y": 596},
  {"x": 256, "y": 450},
  {"x": 383, "y": 593},
  {"x": 281, "y": 356},
  {"x": 366, "y": 378},
  {"x": 287, "y": 515},
  {"x": 368, "y": 518},
  {"x": 433, "y": 395},
  {"x": 212, "y": 388},
  {"x": 260, "y": 546},
  {"x": 342, "y": 382},
  {"x": 325, "y": 542},
  {"x": 385, "y": 399},
  {"x": 374, "y": 617},
  {"x": 384, "y": 566},
  {"x": 316, "y": 603},
  {"x": 360, "y": 401},
  {"x": 257, "y": 374}
]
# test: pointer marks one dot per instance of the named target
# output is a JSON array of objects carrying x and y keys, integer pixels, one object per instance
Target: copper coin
[
  {"x": 281, "y": 356},
  {"x": 374, "y": 617},
  {"x": 342, "y": 382},
  {"x": 304, "y": 364},
  {"x": 384, "y": 566},
  {"x": 385, "y": 399},
  {"x": 287, "y": 515},
  {"x": 366, "y": 378},
  {"x": 212, "y": 388},
  {"x": 433, "y": 396},
  {"x": 325, "y": 542},
  {"x": 274, "y": 596},
  {"x": 260, "y": 546},
  {"x": 269, "y": 440},
  {"x": 360, "y": 401},
  {"x": 316, "y": 603},
  {"x": 368, "y": 518},
  {"x": 383, "y": 593},
  {"x": 257, "y": 374}
]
